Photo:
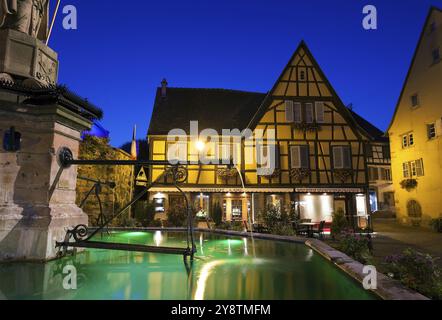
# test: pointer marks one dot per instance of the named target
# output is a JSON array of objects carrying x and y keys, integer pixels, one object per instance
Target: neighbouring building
[
  {"x": 416, "y": 129},
  {"x": 320, "y": 145},
  {"x": 378, "y": 157}
]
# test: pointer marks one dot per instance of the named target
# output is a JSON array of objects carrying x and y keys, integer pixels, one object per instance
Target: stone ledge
[{"x": 387, "y": 288}]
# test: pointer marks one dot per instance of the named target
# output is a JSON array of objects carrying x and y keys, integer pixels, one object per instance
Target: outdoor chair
[{"x": 320, "y": 230}]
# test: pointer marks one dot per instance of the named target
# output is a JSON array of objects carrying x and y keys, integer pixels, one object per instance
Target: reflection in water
[
  {"x": 158, "y": 238},
  {"x": 246, "y": 250},
  {"x": 282, "y": 271}
]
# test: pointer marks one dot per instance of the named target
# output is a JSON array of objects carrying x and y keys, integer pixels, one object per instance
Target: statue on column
[{"x": 27, "y": 16}]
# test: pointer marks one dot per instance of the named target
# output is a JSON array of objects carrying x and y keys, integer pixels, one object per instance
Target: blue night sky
[{"x": 122, "y": 50}]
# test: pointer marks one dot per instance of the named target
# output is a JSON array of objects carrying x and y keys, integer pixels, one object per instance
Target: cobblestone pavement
[{"x": 392, "y": 238}]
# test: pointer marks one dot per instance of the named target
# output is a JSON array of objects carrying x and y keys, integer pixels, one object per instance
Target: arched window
[{"x": 414, "y": 209}]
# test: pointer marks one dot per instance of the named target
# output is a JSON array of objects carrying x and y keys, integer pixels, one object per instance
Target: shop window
[
  {"x": 237, "y": 210},
  {"x": 159, "y": 203}
]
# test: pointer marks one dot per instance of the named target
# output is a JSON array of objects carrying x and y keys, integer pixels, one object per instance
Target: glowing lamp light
[{"x": 200, "y": 146}]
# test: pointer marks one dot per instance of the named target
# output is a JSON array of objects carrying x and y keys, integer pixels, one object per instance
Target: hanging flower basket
[
  {"x": 409, "y": 184},
  {"x": 343, "y": 174},
  {"x": 227, "y": 173},
  {"x": 300, "y": 174},
  {"x": 269, "y": 173}
]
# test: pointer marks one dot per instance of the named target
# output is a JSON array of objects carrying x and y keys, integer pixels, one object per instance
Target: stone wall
[{"x": 112, "y": 199}]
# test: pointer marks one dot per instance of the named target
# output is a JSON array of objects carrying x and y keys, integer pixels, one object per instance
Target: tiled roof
[{"x": 217, "y": 109}]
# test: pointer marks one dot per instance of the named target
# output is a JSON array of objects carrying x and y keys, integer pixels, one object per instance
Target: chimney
[{"x": 164, "y": 88}]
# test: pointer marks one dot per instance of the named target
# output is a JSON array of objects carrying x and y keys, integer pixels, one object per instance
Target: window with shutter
[
  {"x": 295, "y": 157},
  {"x": 309, "y": 112},
  {"x": 289, "y": 112},
  {"x": 419, "y": 167},
  {"x": 300, "y": 157},
  {"x": 298, "y": 112},
  {"x": 305, "y": 157},
  {"x": 338, "y": 162},
  {"x": 346, "y": 155},
  {"x": 342, "y": 157},
  {"x": 319, "y": 109},
  {"x": 406, "y": 169},
  {"x": 439, "y": 127},
  {"x": 413, "y": 168}
]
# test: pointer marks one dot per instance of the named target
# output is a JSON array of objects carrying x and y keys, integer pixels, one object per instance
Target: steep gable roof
[
  {"x": 213, "y": 108},
  {"x": 301, "y": 58}
]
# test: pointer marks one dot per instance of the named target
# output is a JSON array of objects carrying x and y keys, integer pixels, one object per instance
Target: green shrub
[
  {"x": 157, "y": 223},
  {"x": 417, "y": 271},
  {"x": 144, "y": 213},
  {"x": 177, "y": 216},
  {"x": 277, "y": 221},
  {"x": 217, "y": 214},
  {"x": 127, "y": 222},
  {"x": 339, "y": 223},
  {"x": 355, "y": 245},
  {"x": 436, "y": 224}
]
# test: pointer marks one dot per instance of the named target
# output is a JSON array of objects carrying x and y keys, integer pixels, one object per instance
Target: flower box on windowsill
[
  {"x": 343, "y": 175},
  {"x": 308, "y": 127},
  {"x": 409, "y": 184},
  {"x": 300, "y": 174}
]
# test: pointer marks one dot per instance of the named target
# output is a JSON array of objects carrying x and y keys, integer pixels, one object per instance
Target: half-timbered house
[{"x": 320, "y": 162}]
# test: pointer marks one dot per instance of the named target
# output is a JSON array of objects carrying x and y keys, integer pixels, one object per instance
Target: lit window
[
  {"x": 431, "y": 130},
  {"x": 414, "y": 100}
]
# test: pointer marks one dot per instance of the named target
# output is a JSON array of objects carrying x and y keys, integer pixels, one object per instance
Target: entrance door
[{"x": 236, "y": 208}]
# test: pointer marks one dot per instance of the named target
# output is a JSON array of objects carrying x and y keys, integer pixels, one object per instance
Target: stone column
[{"x": 37, "y": 198}]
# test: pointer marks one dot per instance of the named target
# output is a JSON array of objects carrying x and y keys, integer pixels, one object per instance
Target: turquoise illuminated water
[{"x": 225, "y": 268}]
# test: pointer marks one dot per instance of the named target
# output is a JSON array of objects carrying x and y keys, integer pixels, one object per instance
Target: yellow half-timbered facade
[{"x": 296, "y": 147}]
